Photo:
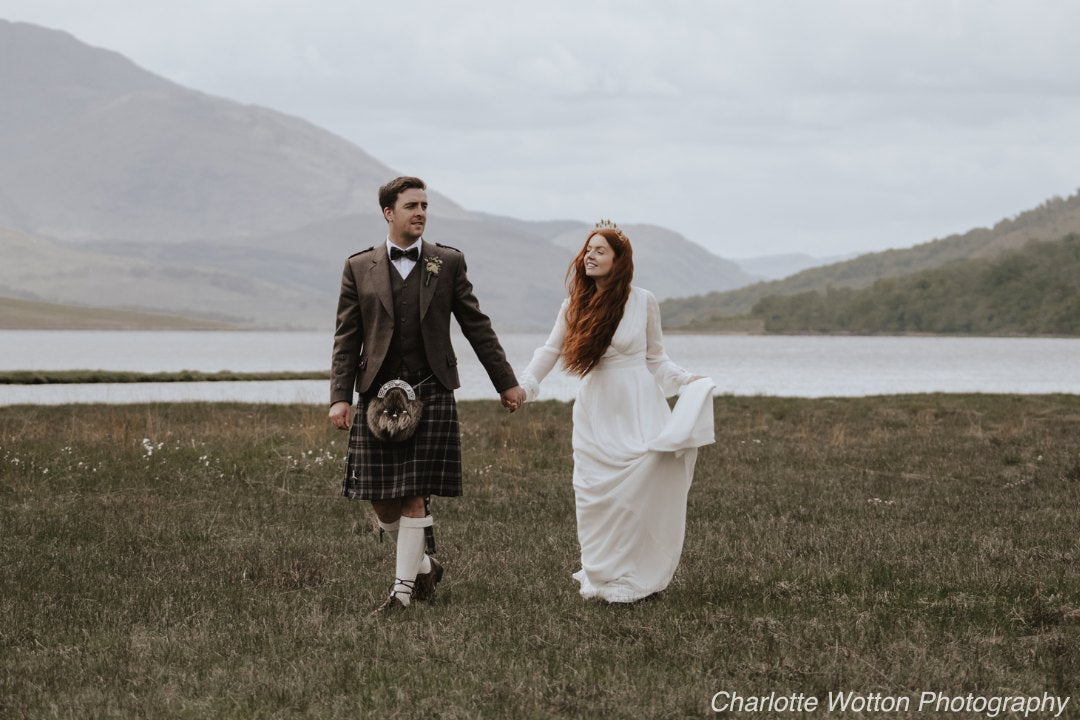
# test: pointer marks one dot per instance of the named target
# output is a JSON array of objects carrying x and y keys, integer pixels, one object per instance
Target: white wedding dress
[{"x": 633, "y": 459}]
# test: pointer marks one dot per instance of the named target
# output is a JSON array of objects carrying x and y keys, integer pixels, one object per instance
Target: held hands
[
  {"x": 513, "y": 398},
  {"x": 340, "y": 413}
]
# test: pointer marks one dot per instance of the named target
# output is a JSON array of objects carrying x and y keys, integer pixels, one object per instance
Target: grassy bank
[
  {"x": 196, "y": 561},
  {"x": 51, "y": 377}
]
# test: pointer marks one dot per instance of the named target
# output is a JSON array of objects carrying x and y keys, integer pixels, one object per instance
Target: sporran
[{"x": 394, "y": 413}]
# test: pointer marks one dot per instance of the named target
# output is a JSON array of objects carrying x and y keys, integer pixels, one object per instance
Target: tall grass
[{"x": 196, "y": 560}]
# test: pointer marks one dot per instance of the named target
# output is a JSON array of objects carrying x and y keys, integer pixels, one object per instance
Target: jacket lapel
[
  {"x": 427, "y": 287},
  {"x": 379, "y": 277}
]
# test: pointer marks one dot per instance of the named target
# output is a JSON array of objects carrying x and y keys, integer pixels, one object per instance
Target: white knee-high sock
[
  {"x": 391, "y": 529},
  {"x": 410, "y": 550}
]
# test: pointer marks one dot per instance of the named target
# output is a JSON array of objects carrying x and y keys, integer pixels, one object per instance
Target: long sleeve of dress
[
  {"x": 544, "y": 357},
  {"x": 668, "y": 375}
]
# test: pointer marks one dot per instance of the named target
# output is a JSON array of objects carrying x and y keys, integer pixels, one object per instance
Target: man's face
[{"x": 408, "y": 216}]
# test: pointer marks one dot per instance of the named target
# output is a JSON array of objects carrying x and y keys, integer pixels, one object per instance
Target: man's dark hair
[{"x": 388, "y": 193}]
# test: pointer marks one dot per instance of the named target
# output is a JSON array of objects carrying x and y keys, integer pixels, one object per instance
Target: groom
[{"x": 393, "y": 323}]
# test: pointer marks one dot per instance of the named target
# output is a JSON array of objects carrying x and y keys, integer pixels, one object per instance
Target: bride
[{"x": 633, "y": 457}]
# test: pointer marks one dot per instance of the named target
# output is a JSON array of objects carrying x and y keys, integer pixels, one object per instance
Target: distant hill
[
  {"x": 1031, "y": 291},
  {"x": 1052, "y": 220},
  {"x": 775, "y": 267},
  {"x": 527, "y": 272},
  {"x": 17, "y": 314},
  {"x": 43, "y": 269},
  {"x": 120, "y": 188}
]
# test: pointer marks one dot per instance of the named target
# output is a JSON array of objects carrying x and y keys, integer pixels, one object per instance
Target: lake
[{"x": 798, "y": 366}]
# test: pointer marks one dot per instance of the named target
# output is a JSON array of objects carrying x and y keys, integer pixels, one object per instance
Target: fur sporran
[{"x": 394, "y": 414}]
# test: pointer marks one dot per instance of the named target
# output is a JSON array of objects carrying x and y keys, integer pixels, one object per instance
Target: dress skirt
[
  {"x": 428, "y": 463},
  {"x": 630, "y": 500}
]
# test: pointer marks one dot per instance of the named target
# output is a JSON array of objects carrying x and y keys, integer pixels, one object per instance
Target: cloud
[{"x": 774, "y": 126}]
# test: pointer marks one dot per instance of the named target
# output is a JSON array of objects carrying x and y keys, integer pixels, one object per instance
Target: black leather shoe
[
  {"x": 390, "y": 606},
  {"x": 393, "y": 604},
  {"x": 426, "y": 582}
]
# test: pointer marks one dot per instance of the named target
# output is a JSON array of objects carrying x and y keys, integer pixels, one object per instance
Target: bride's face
[{"x": 599, "y": 257}]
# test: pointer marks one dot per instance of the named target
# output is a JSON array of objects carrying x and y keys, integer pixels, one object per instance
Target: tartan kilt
[{"x": 428, "y": 463}]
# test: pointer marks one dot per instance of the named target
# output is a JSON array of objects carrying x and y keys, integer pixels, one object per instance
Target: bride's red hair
[{"x": 593, "y": 314}]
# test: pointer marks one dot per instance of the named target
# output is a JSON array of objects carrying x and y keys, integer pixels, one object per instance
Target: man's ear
[{"x": 386, "y": 213}]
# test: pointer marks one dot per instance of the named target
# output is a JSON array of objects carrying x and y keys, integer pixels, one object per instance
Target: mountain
[
  {"x": 1031, "y": 291},
  {"x": 121, "y": 188},
  {"x": 1051, "y": 220},
  {"x": 96, "y": 147},
  {"x": 775, "y": 267}
]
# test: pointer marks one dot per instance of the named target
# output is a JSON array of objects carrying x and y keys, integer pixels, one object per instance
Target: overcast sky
[{"x": 752, "y": 127}]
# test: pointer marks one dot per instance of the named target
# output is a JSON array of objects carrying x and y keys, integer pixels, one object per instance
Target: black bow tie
[{"x": 412, "y": 253}]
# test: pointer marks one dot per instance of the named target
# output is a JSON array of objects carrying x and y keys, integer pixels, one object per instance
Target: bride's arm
[
  {"x": 668, "y": 375},
  {"x": 545, "y": 357}
]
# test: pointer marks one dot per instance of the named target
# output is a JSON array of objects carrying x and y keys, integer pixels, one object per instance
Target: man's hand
[
  {"x": 340, "y": 415},
  {"x": 513, "y": 398}
]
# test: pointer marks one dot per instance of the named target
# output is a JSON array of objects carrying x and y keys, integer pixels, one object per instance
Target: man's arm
[
  {"x": 476, "y": 326},
  {"x": 348, "y": 342}
]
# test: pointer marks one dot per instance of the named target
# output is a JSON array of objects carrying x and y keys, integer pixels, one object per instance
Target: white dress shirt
[{"x": 404, "y": 265}]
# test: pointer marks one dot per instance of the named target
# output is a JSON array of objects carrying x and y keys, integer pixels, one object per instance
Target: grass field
[{"x": 196, "y": 561}]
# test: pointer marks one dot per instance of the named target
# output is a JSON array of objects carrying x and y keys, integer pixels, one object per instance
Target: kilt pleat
[{"x": 428, "y": 463}]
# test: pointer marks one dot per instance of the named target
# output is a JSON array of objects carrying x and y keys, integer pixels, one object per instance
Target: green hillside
[
  {"x": 1032, "y": 291},
  {"x": 1051, "y": 220}
]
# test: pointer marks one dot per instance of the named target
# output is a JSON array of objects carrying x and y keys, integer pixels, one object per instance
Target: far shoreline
[
  {"x": 681, "y": 331},
  {"x": 91, "y": 377}
]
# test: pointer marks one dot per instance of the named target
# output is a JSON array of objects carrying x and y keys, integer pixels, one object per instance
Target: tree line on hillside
[
  {"x": 1053, "y": 219},
  {"x": 1032, "y": 291}
]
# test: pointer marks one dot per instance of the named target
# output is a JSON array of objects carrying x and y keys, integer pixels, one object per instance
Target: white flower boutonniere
[{"x": 433, "y": 265}]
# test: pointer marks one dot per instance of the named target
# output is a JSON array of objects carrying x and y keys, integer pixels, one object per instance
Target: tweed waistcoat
[{"x": 406, "y": 353}]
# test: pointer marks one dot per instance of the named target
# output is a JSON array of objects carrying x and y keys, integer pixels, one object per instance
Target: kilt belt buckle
[{"x": 387, "y": 387}]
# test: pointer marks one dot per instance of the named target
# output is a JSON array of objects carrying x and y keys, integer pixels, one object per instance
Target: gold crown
[{"x": 607, "y": 224}]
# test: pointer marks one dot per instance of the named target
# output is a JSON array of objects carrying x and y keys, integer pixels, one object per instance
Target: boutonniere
[{"x": 433, "y": 265}]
